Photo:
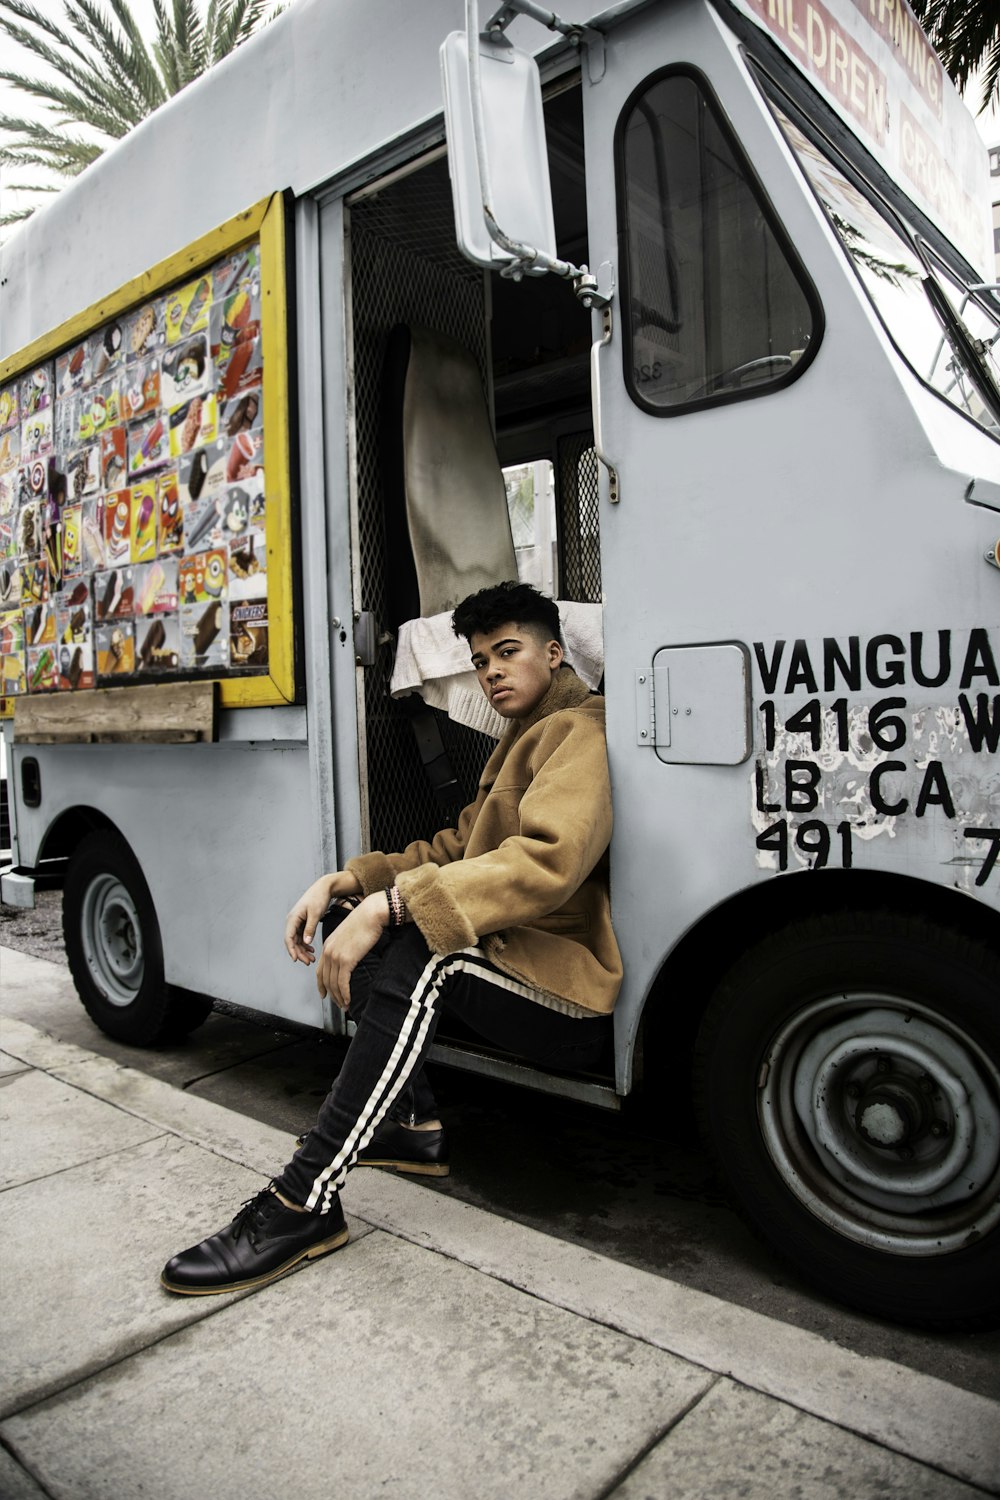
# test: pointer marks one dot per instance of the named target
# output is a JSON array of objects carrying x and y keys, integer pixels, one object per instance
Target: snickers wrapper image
[{"x": 208, "y": 629}]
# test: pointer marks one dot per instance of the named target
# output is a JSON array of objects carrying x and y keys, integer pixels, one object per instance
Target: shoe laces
[{"x": 254, "y": 1213}]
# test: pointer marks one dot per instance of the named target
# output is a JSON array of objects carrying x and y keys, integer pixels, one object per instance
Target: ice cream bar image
[
  {"x": 155, "y": 637},
  {"x": 76, "y": 623},
  {"x": 199, "y": 470},
  {"x": 120, "y": 524},
  {"x": 79, "y": 594},
  {"x": 243, "y": 266},
  {"x": 235, "y": 317},
  {"x": 202, "y": 293},
  {"x": 211, "y": 518},
  {"x": 155, "y": 579},
  {"x": 112, "y": 594},
  {"x": 145, "y": 514},
  {"x": 239, "y": 359},
  {"x": 93, "y": 541},
  {"x": 75, "y": 668},
  {"x": 240, "y": 453},
  {"x": 208, "y": 629},
  {"x": 108, "y": 347},
  {"x": 151, "y": 442},
  {"x": 43, "y": 667}
]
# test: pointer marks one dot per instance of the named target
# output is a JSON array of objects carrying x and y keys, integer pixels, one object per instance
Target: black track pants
[{"x": 397, "y": 995}]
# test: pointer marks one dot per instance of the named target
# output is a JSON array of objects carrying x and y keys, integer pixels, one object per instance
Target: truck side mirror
[{"x": 496, "y": 155}]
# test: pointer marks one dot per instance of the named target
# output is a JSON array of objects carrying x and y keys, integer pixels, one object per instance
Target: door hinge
[{"x": 645, "y": 707}]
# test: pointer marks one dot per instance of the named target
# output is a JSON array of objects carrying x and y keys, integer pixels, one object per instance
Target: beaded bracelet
[{"x": 397, "y": 907}]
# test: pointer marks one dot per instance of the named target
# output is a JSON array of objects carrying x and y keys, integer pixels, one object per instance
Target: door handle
[{"x": 605, "y": 273}]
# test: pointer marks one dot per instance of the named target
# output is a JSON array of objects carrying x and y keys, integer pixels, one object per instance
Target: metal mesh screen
[
  {"x": 579, "y": 520},
  {"x": 404, "y": 269}
]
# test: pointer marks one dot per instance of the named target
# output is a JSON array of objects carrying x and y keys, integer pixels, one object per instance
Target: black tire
[
  {"x": 847, "y": 1079},
  {"x": 113, "y": 947}
]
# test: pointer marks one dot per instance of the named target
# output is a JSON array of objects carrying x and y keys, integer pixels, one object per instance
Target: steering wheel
[{"x": 754, "y": 369}]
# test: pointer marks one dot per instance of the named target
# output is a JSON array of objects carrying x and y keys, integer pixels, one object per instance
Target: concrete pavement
[{"x": 445, "y": 1352}]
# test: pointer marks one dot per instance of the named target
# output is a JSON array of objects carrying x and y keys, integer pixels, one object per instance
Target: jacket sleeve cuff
[
  {"x": 444, "y": 925},
  {"x": 374, "y": 872}
]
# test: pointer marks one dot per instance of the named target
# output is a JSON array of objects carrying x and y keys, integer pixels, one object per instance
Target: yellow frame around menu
[{"x": 264, "y": 221}]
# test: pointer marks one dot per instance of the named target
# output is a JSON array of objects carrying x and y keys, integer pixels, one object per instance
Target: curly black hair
[{"x": 509, "y": 603}]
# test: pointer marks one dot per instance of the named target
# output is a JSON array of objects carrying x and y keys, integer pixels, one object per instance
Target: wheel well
[
  {"x": 668, "y": 1029},
  {"x": 69, "y": 830}
]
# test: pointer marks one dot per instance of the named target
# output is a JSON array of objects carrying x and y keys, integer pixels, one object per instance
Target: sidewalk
[{"x": 445, "y": 1353}]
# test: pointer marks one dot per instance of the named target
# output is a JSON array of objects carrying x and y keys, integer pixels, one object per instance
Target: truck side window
[{"x": 719, "y": 306}]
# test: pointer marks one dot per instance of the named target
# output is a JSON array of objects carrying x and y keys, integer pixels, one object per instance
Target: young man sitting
[{"x": 503, "y": 921}]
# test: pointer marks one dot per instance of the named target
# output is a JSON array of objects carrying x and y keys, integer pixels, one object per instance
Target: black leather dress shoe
[
  {"x": 420, "y": 1153},
  {"x": 265, "y": 1240}
]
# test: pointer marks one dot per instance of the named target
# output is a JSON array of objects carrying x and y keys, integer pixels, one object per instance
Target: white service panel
[{"x": 699, "y": 704}]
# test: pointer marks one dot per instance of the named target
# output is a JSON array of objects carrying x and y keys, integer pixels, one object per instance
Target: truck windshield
[{"x": 944, "y": 328}]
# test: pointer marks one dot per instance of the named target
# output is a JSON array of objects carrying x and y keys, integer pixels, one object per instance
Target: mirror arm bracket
[
  {"x": 502, "y": 17},
  {"x": 526, "y": 259},
  {"x": 577, "y": 36}
]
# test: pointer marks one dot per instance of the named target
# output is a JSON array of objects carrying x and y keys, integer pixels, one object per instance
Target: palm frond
[
  {"x": 41, "y": 49},
  {"x": 89, "y": 79},
  {"x": 124, "y": 56},
  {"x": 17, "y": 217},
  {"x": 35, "y": 187},
  {"x": 100, "y": 107},
  {"x": 965, "y": 34},
  {"x": 165, "y": 52},
  {"x": 190, "y": 39},
  {"x": 67, "y": 157},
  {"x": 105, "y": 76},
  {"x": 238, "y": 20},
  {"x": 26, "y": 12}
]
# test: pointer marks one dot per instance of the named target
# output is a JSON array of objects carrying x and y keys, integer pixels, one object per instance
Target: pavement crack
[
  {"x": 655, "y": 1441},
  {"x": 73, "y": 1379},
  {"x": 86, "y": 1161},
  {"x": 11, "y": 1450},
  {"x": 228, "y": 1067}
]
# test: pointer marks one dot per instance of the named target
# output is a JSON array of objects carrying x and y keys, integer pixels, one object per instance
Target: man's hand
[
  {"x": 347, "y": 946},
  {"x": 307, "y": 913}
]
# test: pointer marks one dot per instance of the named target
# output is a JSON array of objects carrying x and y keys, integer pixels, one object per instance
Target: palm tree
[
  {"x": 966, "y": 36},
  {"x": 102, "y": 75}
]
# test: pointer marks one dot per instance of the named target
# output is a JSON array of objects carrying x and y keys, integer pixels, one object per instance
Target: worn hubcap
[
  {"x": 884, "y": 1119},
  {"x": 112, "y": 939}
]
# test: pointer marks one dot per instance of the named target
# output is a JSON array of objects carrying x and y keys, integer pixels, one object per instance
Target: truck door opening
[{"x": 531, "y": 343}]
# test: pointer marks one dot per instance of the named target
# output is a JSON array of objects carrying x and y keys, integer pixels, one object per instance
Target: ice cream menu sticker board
[{"x": 134, "y": 511}]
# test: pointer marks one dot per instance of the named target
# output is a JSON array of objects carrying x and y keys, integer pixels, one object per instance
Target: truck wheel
[
  {"x": 847, "y": 1078},
  {"x": 113, "y": 947}
]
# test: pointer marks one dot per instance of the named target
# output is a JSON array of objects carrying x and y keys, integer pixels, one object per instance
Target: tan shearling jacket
[{"x": 525, "y": 873}]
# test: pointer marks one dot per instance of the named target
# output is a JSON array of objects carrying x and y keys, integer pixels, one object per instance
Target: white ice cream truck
[{"x": 265, "y": 368}]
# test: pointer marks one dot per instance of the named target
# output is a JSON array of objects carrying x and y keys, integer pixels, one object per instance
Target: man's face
[{"x": 515, "y": 666}]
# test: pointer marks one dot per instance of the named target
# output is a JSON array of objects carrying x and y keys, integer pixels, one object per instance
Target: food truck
[{"x": 686, "y": 308}]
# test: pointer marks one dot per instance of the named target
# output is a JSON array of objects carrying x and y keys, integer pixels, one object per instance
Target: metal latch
[{"x": 365, "y": 642}]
